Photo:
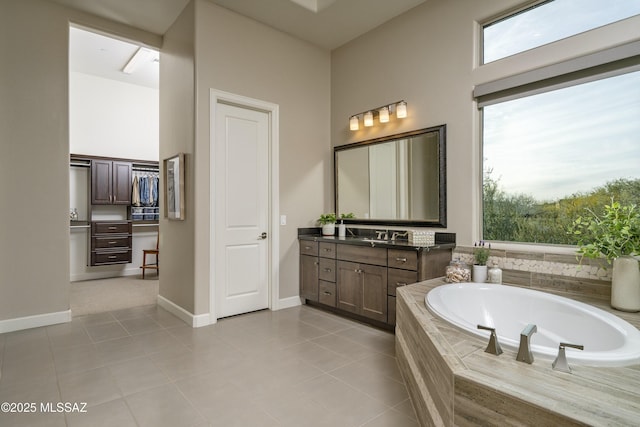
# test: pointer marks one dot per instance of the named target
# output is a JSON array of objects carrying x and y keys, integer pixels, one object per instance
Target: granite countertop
[
  {"x": 590, "y": 395},
  {"x": 360, "y": 241}
]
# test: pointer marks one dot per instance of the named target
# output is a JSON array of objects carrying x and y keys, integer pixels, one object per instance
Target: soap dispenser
[{"x": 342, "y": 229}]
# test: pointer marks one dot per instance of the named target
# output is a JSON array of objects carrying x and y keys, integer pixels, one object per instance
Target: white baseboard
[
  {"x": 35, "y": 321},
  {"x": 288, "y": 302},
  {"x": 78, "y": 277},
  {"x": 193, "y": 320}
]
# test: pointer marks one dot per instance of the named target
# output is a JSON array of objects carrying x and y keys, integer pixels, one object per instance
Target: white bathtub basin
[{"x": 608, "y": 340}]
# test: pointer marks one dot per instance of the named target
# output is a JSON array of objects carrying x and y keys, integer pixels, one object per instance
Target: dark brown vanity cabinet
[
  {"x": 110, "y": 182},
  {"x": 362, "y": 289},
  {"x": 111, "y": 242},
  {"x": 309, "y": 270},
  {"x": 362, "y": 280}
]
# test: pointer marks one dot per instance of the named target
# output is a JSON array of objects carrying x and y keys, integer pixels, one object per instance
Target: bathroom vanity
[{"x": 358, "y": 275}]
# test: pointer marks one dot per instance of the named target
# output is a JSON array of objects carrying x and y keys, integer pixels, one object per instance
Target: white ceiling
[{"x": 325, "y": 23}]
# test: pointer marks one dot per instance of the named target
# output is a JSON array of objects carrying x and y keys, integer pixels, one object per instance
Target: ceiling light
[{"x": 141, "y": 56}]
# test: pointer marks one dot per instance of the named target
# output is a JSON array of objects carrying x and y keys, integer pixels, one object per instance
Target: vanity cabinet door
[
  {"x": 349, "y": 287},
  {"x": 374, "y": 292},
  {"x": 362, "y": 289},
  {"x": 309, "y": 277}
]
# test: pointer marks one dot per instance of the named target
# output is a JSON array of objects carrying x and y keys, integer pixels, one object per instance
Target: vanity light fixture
[
  {"x": 368, "y": 119},
  {"x": 354, "y": 123},
  {"x": 401, "y": 110},
  {"x": 383, "y": 112}
]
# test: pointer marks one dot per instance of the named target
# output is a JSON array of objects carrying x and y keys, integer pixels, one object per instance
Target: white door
[{"x": 242, "y": 210}]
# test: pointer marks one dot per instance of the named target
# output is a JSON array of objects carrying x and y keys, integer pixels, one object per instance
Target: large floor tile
[
  {"x": 145, "y": 367},
  {"x": 137, "y": 375},
  {"x": 106, "y": 331},
  {"x": 163, "y": 406},
  {"x": 113, "y": 413},
  {"x": 93, "y": 387}
]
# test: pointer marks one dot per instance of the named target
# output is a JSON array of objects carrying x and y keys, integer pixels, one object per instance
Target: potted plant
[
  {"x": 480, "y": 256},
  {"x": 328, "y": 223},
  {"x": 615, "y": 234}
]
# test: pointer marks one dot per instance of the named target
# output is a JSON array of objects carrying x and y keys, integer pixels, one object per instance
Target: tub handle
[
  {"x": 561, "y": 364},
  {"x": 494, "y": 346}
]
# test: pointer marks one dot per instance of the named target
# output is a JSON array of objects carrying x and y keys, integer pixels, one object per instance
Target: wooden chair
[{"x": 155, "y": 252}]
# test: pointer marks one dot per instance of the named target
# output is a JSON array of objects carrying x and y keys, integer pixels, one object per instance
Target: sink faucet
[
  {"x": 382, "y": 234},
  {"x": 524, "y": 352},
  {"x": 397, "y": 234}
]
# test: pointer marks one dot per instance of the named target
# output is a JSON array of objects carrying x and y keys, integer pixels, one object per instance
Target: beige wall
[
  {"x": 177, "y": 135},
  {"x": 238, "y": 55},
  {"x": 34, "y": 166},
  {"x": 428, "y": 57}
]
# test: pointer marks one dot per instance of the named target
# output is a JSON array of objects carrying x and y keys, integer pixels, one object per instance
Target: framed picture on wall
[{"x": 174, "y": 195}]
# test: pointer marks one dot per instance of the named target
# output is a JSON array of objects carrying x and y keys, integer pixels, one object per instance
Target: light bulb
[
  {"x": 384, "y": 114},
  {"x": 354, "y": 123},
  {"x": 368, "y": 119},
  {"x": 401, "y": 110}
]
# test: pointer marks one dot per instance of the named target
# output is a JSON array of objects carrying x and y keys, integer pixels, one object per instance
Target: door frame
[{"x": 272, "y": 110}]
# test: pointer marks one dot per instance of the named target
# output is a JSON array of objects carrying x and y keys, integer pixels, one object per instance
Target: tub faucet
[
  {"x": 494, "y": 346},
  {"x": 524, "y": 352},
  {"x": 560, "y": 364}
]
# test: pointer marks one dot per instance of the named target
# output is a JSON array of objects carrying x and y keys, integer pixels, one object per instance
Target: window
[
  {"x": 550, "y": 21},
  {"x": 548, "y": 156}
]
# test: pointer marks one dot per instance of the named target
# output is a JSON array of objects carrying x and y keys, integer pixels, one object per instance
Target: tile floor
[{"x": 144, "y": 367}]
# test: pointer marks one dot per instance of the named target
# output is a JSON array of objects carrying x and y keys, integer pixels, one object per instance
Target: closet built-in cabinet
[{"x": 112, "y": 182}]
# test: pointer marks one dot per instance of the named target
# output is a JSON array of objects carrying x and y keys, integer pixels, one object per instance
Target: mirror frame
[{"x": 442, "y": 177}]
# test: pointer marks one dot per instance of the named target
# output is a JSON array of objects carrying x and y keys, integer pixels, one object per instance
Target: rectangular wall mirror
[{"x": 395, "y": 180}]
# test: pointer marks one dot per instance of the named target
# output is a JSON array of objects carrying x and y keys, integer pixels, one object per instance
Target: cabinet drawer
[
  {"x": 308, "y": 247},
  {"x": 327, "y": 293},
  {"x": 111, "y": 257},
  {"x": 327, "y": 269},
  {"x": 327, "y": 250},
  {"x": 406, "y": 260},
  {"x": 111, "y": 242},
  {"x": 397, "y": 278},
  {"x": 362, "y": 254},
  {"x": 111, "y": 227}
]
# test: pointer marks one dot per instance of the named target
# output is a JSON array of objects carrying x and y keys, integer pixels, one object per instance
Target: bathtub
[{"x": 608, "y": 340}]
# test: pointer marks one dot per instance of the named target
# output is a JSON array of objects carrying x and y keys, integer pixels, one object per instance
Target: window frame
[{"x": 616, "y": 60}]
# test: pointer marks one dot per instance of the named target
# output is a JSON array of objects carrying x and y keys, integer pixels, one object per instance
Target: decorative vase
[
  {"x": 625, "y": 284},
  {"x": 329, "y": 229},
  {"x": 479, "y": 274}
]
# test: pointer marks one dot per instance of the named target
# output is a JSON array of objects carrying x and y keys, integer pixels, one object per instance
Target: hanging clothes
[
  {"x": 135, "y": 191},
  {"x": 154, "y": 190}
]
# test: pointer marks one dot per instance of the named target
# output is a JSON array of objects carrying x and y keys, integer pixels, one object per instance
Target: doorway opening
[{"x": 113, "y": 115}]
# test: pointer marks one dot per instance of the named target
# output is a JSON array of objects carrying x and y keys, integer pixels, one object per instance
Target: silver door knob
[{"x": 263, "y": 235}]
